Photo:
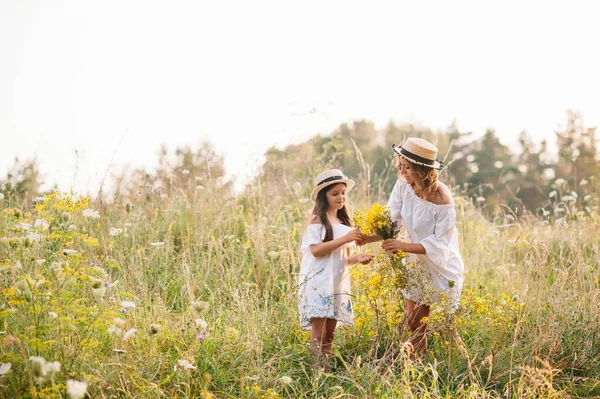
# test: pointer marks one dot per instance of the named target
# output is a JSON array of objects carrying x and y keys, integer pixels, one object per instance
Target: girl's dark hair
[{"x": 320, "y": 210}]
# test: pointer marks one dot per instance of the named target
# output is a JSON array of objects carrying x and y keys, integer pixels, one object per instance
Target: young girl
[
  {"x": 424, "y": 205},
  {"x": 324, "y": 282}
]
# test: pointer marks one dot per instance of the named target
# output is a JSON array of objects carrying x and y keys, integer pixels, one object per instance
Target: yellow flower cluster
[
  {"x": 376, "y": 220},
  {"x": 257, "y": 391},
  {"x": 378, "y": 301}
]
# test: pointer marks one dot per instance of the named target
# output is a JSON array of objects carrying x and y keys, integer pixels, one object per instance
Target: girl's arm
[
  {"x": 326, "y": 248},
  {"x": 409, "y": 247},
  {"x": 360, "y": 258}
]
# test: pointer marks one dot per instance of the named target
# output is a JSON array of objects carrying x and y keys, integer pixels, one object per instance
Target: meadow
[{"x": 193, "y": 295}]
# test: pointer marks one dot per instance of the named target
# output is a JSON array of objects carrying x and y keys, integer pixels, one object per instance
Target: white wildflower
[
  {"x": 583, "y": 182},
  {"x": 201, "y": 323},
  {"x": 130, "y": 333},
  {"x": 76, "y": 389},
  {"x": 51, "y": 368},
  {"x": 199, "y": 187},
  {"x": 39, "y": 199},
  {"x": 157, "y": 244},
  {"x": 41, "y": 224},
  {"x": 286, "y": 380},
  {"x": 119, "y": 322},
  {"x": 4, "y": 368},
  {"x": 91, "y": 213},
  {"x": 40, "y": 261},
  {"x": 480, "y": 199},
  {"x": 560, "y": 181},
  {"x": 558, "y": 210},
  {"x": 185, "y": 172},
  {"x": 587, "y": 198},
  {"x": 53, "y": 315},
  {"x": 568, "y": 198},
  {"x": 68, "y": 251},
  {"x": 552, "y": 194},
  {"x": 574, "y": 194},
  {"x": 560, "y": 221},
  {"x": 1, "y": 198},
  {"x": 72, "y": 227},
  {"x": 185, "y": 364},
  {"x": 23, "y": 226},
  {"x": 545, "y": 212},
  {"x": 114, "y": 330},
  {"x": 114, "y": 231},
  {"x": 38, "y": 367},
  {"x": 127, "y": 304},
  {"x": 34, "y": 237}
]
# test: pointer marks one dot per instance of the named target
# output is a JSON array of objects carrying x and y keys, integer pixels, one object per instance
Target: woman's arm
[
  {"x": 409, "y": 247},
  {"x": 365, "y": 239}
]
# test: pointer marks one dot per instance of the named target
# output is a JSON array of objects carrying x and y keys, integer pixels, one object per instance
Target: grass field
[{"x": 193, "y": 294}]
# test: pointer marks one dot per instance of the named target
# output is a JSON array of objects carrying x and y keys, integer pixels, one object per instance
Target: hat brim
[
  {"x": 436, "y": 164},
  {"x": 348, "y": 182}
]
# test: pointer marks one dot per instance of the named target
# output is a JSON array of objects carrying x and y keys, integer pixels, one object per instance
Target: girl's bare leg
[
  {"x": 327, "y": 343},
  {"x": 321, "y": 336}
]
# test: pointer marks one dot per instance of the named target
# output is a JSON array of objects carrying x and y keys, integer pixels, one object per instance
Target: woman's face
[
  {"x": 406, "y": 169},
  {"x": 336, "y": 197}
]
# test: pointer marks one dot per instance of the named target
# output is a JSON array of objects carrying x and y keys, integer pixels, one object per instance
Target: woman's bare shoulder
[{"x": 444, "y": 196}]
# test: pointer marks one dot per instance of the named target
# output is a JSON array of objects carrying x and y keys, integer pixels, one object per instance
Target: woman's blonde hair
[{"x": 426, "y": 178}]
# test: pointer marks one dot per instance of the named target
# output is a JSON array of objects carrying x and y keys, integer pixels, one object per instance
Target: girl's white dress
[
  {"x": 439, "y": 274},
  {"x": 324, "y": 282}
]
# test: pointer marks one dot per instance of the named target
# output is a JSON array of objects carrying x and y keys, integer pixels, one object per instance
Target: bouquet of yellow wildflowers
[{"x": 377, "y": 220}]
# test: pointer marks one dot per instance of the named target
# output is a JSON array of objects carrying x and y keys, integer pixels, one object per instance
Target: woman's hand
[
  {"x": 392, "y": 245},
  {"x": 366, "y": 239}
]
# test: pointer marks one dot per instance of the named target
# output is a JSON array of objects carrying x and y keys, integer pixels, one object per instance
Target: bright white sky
[{"x": 113, "y": 80}]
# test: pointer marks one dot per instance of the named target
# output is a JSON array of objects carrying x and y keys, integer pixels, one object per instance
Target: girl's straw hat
[
  {"x": 329, "y": 177},
  {"x": 419, "y": 151}
]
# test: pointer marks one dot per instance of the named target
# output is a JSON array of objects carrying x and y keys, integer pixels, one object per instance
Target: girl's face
[
  {"x": 336, "y": 197},
  {"x": 406, "y": 169}
]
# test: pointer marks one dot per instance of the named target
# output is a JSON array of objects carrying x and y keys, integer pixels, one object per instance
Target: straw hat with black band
[
  {"x": 329, "y": 177},
  {"x": 420, "y": 152}
]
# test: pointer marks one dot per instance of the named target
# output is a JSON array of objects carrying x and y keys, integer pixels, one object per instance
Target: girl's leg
[
  {"x": 327, "y": 343},
  {"x": 317, "y": 335},
  {"x": 414, "y": 320}
]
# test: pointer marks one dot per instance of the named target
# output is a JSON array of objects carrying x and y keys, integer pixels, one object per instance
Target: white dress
[
  {"x": 324, "y": 282},
  {"x": 441, "y": 269}
]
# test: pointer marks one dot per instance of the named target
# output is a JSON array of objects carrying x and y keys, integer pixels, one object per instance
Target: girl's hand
[
  {"x": 391, "y": 245},
  {"x": 360, "y": 258},
  {"x": 353, "y": 235}
]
